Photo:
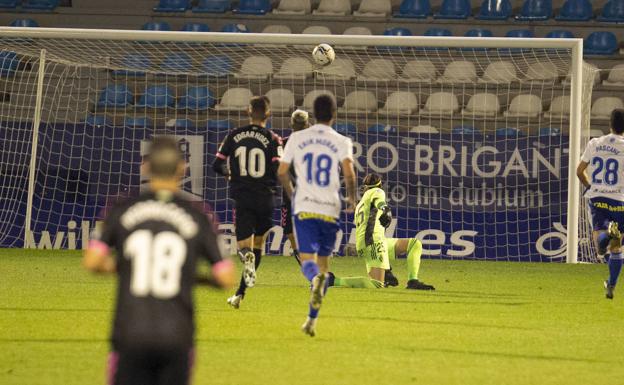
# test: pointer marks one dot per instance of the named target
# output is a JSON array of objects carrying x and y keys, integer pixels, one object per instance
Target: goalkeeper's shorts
[{"x": 377, "y": 255}]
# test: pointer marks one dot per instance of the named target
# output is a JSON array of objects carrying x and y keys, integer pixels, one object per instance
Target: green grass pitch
[{"x": 488, "y": 323}]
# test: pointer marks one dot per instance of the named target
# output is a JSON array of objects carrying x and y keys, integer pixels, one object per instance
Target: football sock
[
  {"x": 313, "y": 313},
  {"x": 356, "y": 282},
  {"x": 309, "y": 269},
  {"x": 242, "y": 286},
  {"x": 603, "y": 240},
  {"x": 615, "y": 266},
  {"x": 414, "y": 251},
  {"x": 258, "y": 255},
  {"x": 296, "y": 255}
]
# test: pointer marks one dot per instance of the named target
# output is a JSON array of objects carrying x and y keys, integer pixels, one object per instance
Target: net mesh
[{"x": 471, "y": 143}]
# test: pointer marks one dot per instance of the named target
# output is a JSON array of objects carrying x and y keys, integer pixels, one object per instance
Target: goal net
[{"x": 472, "y": 137}]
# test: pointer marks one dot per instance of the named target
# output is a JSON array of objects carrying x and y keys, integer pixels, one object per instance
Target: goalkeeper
[{"x": 372, "y": 216}]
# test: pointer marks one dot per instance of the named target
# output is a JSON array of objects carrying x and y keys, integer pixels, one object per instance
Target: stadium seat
[
  {"x": 172, "y": 6},
  {"x": 525, "y": 105},
  {"x": 595, "y": 132},
  {"x": 293, "y": 7},
  {"x": 441, "y": 104},
  {"x": 180, "y": 123},
  {"x": 213, "y": 6},
  {"x": 333, "y": 8},
  {"x": 419, "y": 71},
  {"x": 438, "y": 32},
  {"x": 277, "y": 28},
  {"x": 24, "y": 23},
  {"x": 499, "y": 72},
  {"x": 534, "y": 10},
  {"x": 613, "y": 12},
  {"x": 520, "y": 33},
  {"x": 415, "y": 9},
  {"x": 542, "y": 72},
  {"x": 177, "y": 62},
  {"x": 98, "y": 120},
  {"x": 509, "y": 132},
  {"x": 235, "y": 99},
  {"x": 460, "y": 71},
  {"x": 602, "y": 107},
  {"x": 9, "y": 63},
  {"x": 339, "y": 69},
  {"x": 316, "y": 30},
  {"x": 560, "y": 34},
  {"x": 134, "y": 64},
  {"x": 115, "y": 95},
  {"x": 282, "y": 100},
  {"x": 494, "y": 10},
  {"x": 424, "y": 129},
  {"x": 615, "y": 77},
  {"x": 8, "y": 4},
  {"x": 308, "y": 100},
  {"x": 600, "y": 43},
  {"x": 235, "y": 28},
  {"x": 217, "y": 66},
  {"x": 219, "y": 125},
  {"x": 400, "y": 103},
  {"x": 575, "y": 10},
  {"x": 559, "y": 107},
  {"x": 382, "y": 128},
  {"x": 479, "y": 32},
  {"x": 345, "y": 128},
  {"x": 256, "y": 68},
  {"x": 138, "y": 122},
  {"x": 195, "y": 27},
  {"x": 378, "y": 70},
  {"x": 374, "y": 8},
  {"x": 156, "y": 26},
  {"x": 40, "y": 5},
  {"x": 358, "y": 102},
  {"x": 357, "y": 30},
  {"x": 482, "y": 104},
  {"x": 253, "y": 7},
  {"x": 549, "y": 131},
  {"x": 454, "y": 9},
  {"x": 156, "y": 96},
  {"x": 397, "y": 31},
  {"x": 295, "y": 68},
  {"x": 465, "y": 130},
  {"x": 197, "y": 98}
]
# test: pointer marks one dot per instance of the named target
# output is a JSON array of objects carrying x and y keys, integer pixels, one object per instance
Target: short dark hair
[
  {"x": 371, "y": 180},
  {"x": 260, "y": 107},
  {"x": 324, "y": 108},
  {"x": 164, "y": 157},
  {"x": 617, "y": 120}
]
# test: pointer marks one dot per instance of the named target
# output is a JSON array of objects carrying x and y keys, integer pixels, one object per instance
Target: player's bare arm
[
  {"x": 349, "y": 175},
  {"x": 581, "y": 174},
  {"x": 284, "y": 178}
]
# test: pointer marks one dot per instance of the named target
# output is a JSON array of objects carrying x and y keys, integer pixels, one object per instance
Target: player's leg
[
  {"x": 614, "y": 230},
  {"x": 607, "y": 238},
  {"x": 176, "y": 367},
  {"x": 130, "y": 368},
  {"x": 286, "y": 222},
  {"x": 245, "y": 226},
  {"x": 412, "y": 247}
]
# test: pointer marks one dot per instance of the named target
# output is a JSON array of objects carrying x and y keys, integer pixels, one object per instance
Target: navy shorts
[
  {"x": 605, "y": 210},
  {"x": 315, "y": 234}
]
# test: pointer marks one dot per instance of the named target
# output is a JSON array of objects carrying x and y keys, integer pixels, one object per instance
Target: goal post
[{"x": 476, "y": 139}]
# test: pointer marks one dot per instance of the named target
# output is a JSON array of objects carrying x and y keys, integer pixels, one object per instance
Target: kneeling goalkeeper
[{"x": 372, "y": 216}]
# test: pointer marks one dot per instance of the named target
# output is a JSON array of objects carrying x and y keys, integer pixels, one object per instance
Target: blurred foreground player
[
  {"x": 253, "y": 152},
  {"x": 604, "y": 159},
  {"x": 157, "y": 239}
]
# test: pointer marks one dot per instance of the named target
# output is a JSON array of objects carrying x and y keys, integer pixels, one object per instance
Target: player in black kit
[
  {"x": 253, "y": 152},
  {"x": 157, "y": 238}
]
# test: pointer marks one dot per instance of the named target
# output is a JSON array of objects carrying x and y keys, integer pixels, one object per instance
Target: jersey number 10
[{"x": 605, "y": 170}]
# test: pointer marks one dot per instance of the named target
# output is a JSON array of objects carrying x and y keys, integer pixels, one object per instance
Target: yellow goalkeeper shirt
[{"x": 368, "y": 230}]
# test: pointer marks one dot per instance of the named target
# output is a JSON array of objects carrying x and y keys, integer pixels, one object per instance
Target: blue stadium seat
[
  {"x": 182, "y": 123},
  {"x": 115, "y": 95},
  {"x": 8, "y": 4},
  {"x": 40, "y": 5},
  {"x": 195, "y": 27},
  {"x": 213, "y": 6},
  {"x": 197, "y": 98},
  {"x": 253, "y": 7},
  {"x": 217, "y": 65},
  {"x": 397, "y": 31},
  {"x": 138, "y": 122},
  {"x": 438, "y": 32},
  {"x": 382, "y": 128},
  {"x": 600, "y": 43},
  {"x": 345, "y": 128},
  {"x": 494, "y": 10},
  {"x": 177, "y": 62},
  {"x": 612, "y": 12},
  {"x": 98, "y": 120},
  {"x": 156, "y": 26},
  {"x": 549, "y": 131},
  {"x": 219, "y": 125},
  {"x": 454, "y": 9},
  {"x": 24, "y": 23},
  {"x": 479, "y": 32},
  {"x": 509, "y": 132},
  {"x": 235, "y": 28},
  {"x": 157, "y": 96},
  {"x": 136, "y": 63},
  {"x": 173, "y": 6},
  {"x": 416, "y": 9},
  {"x": 560, "y": 34},
  {"x": 575, "y": 10},
  {"x": 8, "y": 63},
  {"x": 520, "y": 33},
  {"x": 533, "y": 10},
  {"x": 465, "y": 130}
]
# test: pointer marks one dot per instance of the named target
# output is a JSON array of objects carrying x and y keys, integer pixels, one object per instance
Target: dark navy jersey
[{"x": 157, "y": 237}]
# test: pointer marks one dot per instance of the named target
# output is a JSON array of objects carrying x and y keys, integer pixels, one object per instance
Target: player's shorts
[
  {"x": 150, "y": 366},
  {"x": 286, "y": 219},
  {"x": 605, "y": 210},
  {"x": 315, "y": 233},
  {"x": 253, "y": 215},
  {"x": 377, "y": 255}
]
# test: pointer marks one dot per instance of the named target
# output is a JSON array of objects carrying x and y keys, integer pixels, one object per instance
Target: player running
[
  {"x": 254, "y": 152},
  {"x": 157, "y": 238},
  {"x": 317, "y": 154},
  {"x": 604, "y": 159},
  {"x": 372, "y": 217}
]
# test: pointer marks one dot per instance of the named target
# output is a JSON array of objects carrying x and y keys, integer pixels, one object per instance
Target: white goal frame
[{"x": 576, "y": 79}]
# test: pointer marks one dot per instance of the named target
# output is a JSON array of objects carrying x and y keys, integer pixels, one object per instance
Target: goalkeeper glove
[{"x": 386, "y": 217}]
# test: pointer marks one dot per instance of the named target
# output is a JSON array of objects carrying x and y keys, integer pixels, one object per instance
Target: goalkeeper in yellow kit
[{"x": 372, "y": 216}]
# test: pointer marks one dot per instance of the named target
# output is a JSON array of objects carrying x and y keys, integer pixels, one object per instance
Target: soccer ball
[{"x": 323, "y": 54}]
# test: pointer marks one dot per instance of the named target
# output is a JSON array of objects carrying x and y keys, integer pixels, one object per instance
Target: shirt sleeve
[
  {"x": 277, "y": 149},
  {"x": 106, "y": 231},
  {"x": 347, "y": 150},
  {"x": 379, "y": 198},
  {"x": 208, "y": 242},
  {"x": 225, "y": 148},
  {"x": 288, "y": 152},
  {"x": 588, "y": 152}
]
